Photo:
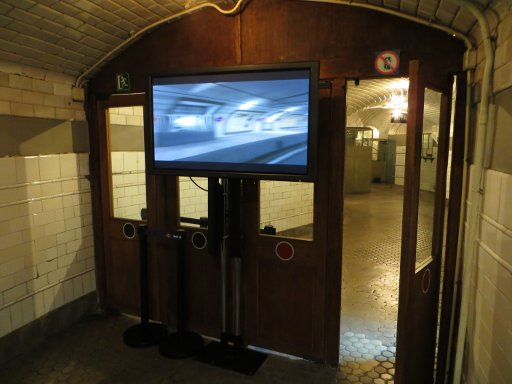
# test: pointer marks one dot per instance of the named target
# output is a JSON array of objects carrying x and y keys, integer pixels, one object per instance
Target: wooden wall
[{"x": 343, "y": 39}]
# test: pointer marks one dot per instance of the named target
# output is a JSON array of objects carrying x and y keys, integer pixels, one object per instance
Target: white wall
[
  {"x": 285, "y": 204},
  {"x": 129, "y": 184},
  {"x": 400, "y": 165},
  {"x": 193, "y": 200},
  {"x": 488, "y": 355},
  {"x": 31, "y": 92},
  {"x": 46, "y": 241}
]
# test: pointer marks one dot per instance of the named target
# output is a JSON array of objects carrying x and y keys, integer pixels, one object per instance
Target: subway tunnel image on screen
[{"x": 250, "y": 123}]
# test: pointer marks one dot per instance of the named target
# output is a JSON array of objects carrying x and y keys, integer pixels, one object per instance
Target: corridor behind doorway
[{"x": 375, "y": 151}]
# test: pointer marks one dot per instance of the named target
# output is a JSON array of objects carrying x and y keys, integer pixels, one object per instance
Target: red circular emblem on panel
[
  {"x": 284, "y": 250},
  {"x": 425, "y": 282}
]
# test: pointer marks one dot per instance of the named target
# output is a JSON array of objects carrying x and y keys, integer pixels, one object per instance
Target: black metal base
[
  {"x": 180, "y": 345},
  {"x": 144, "y": 335},
  {"x": 234, "y": 358}
]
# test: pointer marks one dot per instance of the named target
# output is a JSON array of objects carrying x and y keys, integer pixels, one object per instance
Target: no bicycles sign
[{"x": 387, "y": 62}]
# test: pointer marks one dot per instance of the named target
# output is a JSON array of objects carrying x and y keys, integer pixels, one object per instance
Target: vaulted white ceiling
[
  {"x": 71, "y": 36},
  {"x": 76, "y": 37}
]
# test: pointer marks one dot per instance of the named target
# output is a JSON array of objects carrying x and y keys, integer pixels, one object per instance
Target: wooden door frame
[
  {"x": 445, "y": 355},
  {"x": 408, "y": 269},
  {"x": 101, "y": 183},
  {"x": 335, "y": 203}
]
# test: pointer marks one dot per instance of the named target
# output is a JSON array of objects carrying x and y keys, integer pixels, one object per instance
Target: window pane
[
  {"x": 428, "y": 173},
  {"x": 193, "y": 200},
  {"x": 287, "y": 208},
  {"x": 127, "y": 161}
]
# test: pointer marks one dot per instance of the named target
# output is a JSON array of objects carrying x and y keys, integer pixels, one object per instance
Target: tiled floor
[
  {"x": 92, "y": 352},
  {"x": 371, "y": 252}
]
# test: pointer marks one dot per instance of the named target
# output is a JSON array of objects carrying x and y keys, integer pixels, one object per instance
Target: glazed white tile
[
  {"x": 505, "y": 202},
  {"x": 68, "y": 165},
  {"x": 5, "y": 321},
  {"x": 491, "y": 199},
  {"x": 27, "y": 169},
  {"x": 83, "y": 161},
  {"x": 141, "y": 161},
  {"x": 488, "y": 235},
  {"x": 78, "y": 289},
  {"x": 51, "y": 189},
  {"x": 27, "y": 310},
  {"x": 8, "y": 171},
  {"x": 39, "y": 309},
  {"x": 117, "y": 162},
  {"x": 130, "y": 161},
  {"x": 127, "y": 111},
  {"x": 16, "y": 316},
  {"x": 87, "y": 283},
  {"x": 49, "y": 167},
  {"x": 138, "y": 110},
  {"x": 504, "y": 247}
]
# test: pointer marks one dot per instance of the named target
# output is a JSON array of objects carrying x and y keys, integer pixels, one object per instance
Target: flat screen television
[{"x": 246, "y": 121}]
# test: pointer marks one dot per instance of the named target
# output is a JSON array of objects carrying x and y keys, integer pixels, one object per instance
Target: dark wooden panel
[
  {"x": 162, "y": 216},
  {"x": 405, "y": 333},
  {"x": 419, "y": 298},
  {"x": 286, "y": 300},
  {"x": 345, "y": 39},
  {"x": 122, "y": 282},
  {"x": 452, "y": 232},
  {"x": 283, "y": 297},
  {"x": 202, "y": 269},
  {"x": 422, "y": 326},
  {"x": 204, "y": 287},
  {"x": 336, "y": 140}
]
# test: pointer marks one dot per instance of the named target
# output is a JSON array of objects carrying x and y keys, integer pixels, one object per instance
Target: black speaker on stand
[
  {"x": 145, "y": 334},
  {"x": 182, "y": 343}
]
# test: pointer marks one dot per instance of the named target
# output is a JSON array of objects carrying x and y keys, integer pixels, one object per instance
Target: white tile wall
[
  {"x": 490, "y": 334},
  {"x": 400, "y": 165},
  {"x": 193, "y": 200},
  {"x": 286, "y": 205},
  {"x": 46, "y": 244},
  {"x": 129, "y": 182},
  {"x": 503, "y": 57},
  {"x": 50, "y": 97}
]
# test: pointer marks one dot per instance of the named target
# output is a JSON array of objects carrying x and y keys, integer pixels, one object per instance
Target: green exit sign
[{"x": 123, "y": 82}]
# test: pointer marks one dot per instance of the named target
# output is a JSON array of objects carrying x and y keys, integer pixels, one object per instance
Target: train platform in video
[{"x": 265, "y": 147}]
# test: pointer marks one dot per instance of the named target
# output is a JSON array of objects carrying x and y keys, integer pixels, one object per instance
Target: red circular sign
[
  {"x": 284, "y": 250},
  {"x": 387, "y": 62},
  {"x": 425, "y": 281}
]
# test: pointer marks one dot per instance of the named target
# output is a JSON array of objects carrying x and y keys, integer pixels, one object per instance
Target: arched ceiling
[
  {"x": 71, "y": 36},
  {"x": 76, "y": 37},
  {"x": 370, "y": 103}
]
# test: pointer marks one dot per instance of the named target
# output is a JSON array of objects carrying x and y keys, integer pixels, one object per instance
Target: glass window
[
  {"x": 428, "y": 175},
  {"x": 286, "y": 209},
  {"x": 127, "y": 161},
  {"x": 193, "y": 200}
]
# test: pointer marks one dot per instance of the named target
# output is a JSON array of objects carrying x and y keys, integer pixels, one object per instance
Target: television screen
[{"x": 246, "y": 121}]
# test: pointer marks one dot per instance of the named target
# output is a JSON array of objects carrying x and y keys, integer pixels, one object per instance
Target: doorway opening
[{"x": 375, "y": 154}]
